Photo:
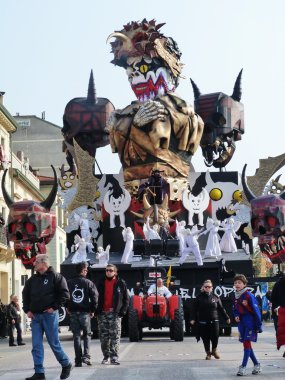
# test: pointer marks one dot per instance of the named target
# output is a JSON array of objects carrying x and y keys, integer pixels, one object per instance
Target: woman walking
[
  {"x": 248, "y": 317},
  {"x": 205, "y": 311}
]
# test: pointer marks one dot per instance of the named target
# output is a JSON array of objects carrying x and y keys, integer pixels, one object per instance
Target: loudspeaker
[
  {"x": 139, "y": 247},
  {"x": 156, "y": 246},
  {"x": 171, "y": 247}
]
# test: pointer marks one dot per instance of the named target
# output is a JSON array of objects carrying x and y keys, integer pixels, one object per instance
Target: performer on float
[
  {"x": 181, "y": 234},
  {"x": 227, "y": 243},
  {"x": 192, "y": 245},
  {"x": 103, "y": 256},
  {"x": 84, "y": 226},
  {"x": 213, "y": 247},
  {"x": 151, "y": 232},
  {"x": 81, "y": 252},
  {"x": 128, "y": 237}
]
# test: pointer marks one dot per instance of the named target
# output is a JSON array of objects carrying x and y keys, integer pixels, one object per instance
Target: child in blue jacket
[{"x": 248, "y": 316}]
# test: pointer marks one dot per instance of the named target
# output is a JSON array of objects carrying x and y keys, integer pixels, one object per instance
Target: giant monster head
[
  {"x": 151, "y": 60},
  {"x": 223, "y": 118},
  {"x": 31, "y": 225},
  {"x": 267, "y": 222}
]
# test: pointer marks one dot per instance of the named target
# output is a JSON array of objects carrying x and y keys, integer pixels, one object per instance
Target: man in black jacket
[
  {"x": 14, "y": 321},
  {"x": 43, "y": 294},
  {"x": 278, "y": 300},
  {"x": 82, "y": 306},
  {"x": 113, "y": 304}
]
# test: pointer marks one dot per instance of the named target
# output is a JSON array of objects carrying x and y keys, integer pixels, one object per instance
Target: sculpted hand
[{"x": 150, "y": 111}]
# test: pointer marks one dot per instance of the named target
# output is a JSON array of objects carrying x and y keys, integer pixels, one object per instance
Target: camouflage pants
[{"x": 109, "y": 332}]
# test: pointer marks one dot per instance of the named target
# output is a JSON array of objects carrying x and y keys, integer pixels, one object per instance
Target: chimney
[
  {"x": 43, "y": 115},
  {"x": 1, "y": 97}
]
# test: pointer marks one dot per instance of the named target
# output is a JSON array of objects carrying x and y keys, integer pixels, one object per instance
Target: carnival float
[{"x": 158, "y": 205}]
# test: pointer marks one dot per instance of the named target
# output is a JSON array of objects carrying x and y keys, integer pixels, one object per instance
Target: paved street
[{"x": 155, "y": 358}]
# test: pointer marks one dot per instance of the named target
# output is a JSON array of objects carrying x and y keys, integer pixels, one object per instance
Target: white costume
[
  {"x": 151, "y": 233},
  {"x": 103, "y": 256},
  {"x": 180, "y": 233},
  {"x": 213, "y": 247},
  {"x": 128, "y": 237},
  {"x": 191, "y": 246},
  {"x": 84, "y": 226},
  {"x": 227, "y": 243},
  {"x": 80, "y": 250},
  {"x": 162, "y": 291}
]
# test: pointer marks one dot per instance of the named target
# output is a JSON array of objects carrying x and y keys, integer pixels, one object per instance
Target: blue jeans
[
  {"x": 46, "y": 323},
  {"x": 80, "y": 321}
]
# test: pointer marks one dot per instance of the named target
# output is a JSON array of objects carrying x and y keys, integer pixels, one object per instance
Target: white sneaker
[
  {"x": 241, "y": 371},
  {"x": 256, "y": 369}
]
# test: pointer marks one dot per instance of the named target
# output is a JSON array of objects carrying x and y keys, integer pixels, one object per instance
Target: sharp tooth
[{"x": 161, "y": 90}]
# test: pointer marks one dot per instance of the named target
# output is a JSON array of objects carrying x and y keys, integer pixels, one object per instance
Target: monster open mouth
[
  {"x": 272, "y": 251},
  {"x": 149, "y": 89}
]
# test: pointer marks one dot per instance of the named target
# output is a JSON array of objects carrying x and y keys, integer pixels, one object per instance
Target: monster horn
[
  {"x": 48, "y": 202},
  {"x": 237, "y": 88},
  {"x": 91, "y": 95},
  {"x": 123, "y": 37},
  {"x": 6, "y": 196},
  {"x": 146, "y": 204},
  {"x": 197, "y": 92},
  {"x": 249, "y": 195}
]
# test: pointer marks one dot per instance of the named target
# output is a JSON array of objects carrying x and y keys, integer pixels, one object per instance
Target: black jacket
[
  {"x": 120, "y": 297},
  {"x": 83, "y": 295},
  {"x": 278, "y": 293},
  {"x": 12, "y": 313},
  {"x": 43, "y": 291},
  {"x": 207, "y": 306}
]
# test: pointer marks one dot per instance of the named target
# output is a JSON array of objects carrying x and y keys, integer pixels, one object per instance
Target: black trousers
[
  {"x": 11, "y": 328},
  {"x": 209, "y": 332}
]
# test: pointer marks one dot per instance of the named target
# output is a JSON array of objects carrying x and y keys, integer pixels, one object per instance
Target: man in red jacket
[{"x": 113, "y": 304}]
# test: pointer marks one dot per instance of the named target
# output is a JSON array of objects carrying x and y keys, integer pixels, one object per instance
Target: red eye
[
  {"x": 29, "y": 227},
  {"x": 272, "y": 221}
]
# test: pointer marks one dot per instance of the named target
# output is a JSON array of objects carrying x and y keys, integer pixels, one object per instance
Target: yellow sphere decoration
[
  {"x": 216, "y": 194},
  {"x": 237, "y": 195}
]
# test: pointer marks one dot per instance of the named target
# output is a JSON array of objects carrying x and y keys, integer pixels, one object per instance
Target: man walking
[
  {"x": 14, "y": 321},
  {"x": 82, "y": 306},
  {"x": 113, "y": 304},
  {"x": 43, "y": 294}
]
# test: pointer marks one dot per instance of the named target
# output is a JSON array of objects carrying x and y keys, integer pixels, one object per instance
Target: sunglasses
[
  {"x": 207, "y": 286},
  {"x": 109, "y": 270}
]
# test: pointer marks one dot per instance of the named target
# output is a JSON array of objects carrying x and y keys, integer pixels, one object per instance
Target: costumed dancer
[
  {"x": 227, "y": 243},
  {"x": 151, "y": 232},
  {"x": 206, "y": 315},
  {"x": 248, "y": 316},
  {"x": 191, "y": 245},
  {"x": 180, "y": 233},
  {"x": 80, "y": 253},
  {"x": 128, "y": 237},
  {"x": 103, "y": 256},
  {"x": 213, "y": 247}
]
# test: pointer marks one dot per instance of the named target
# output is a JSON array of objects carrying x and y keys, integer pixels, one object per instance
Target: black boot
[
  {"x": 36, "y": 376},
  {"x": 66, "y": 371}
]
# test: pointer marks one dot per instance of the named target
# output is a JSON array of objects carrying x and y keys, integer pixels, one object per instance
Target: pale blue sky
[{"x": 49, "y": 47}]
